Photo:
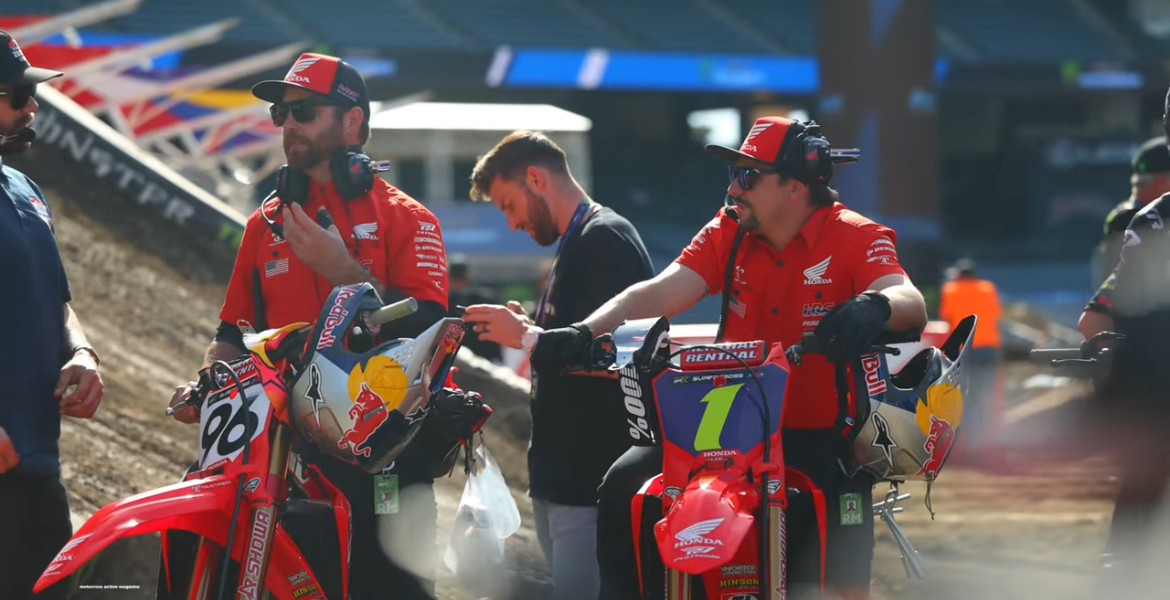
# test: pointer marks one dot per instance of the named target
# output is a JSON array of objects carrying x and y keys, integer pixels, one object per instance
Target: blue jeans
[{"x": 568, "y": 537}]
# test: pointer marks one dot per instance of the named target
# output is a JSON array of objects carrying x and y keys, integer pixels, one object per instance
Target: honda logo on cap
[
  {"x": 757, "y": 129},
  {"x": 758, "y": 145},
  {"x": 299, "y": 66}
]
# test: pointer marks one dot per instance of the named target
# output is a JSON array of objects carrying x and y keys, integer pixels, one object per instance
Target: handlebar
[
  {"x": 386, "y": 314},
  {"x": 810, "y": 345},
  {"x": 198, "y": 393},
  {"x": 393, "y": 312},
  {"x": 1090, "y": 352},
  {"x": 598, "y": 356},
  {"x": 1056, "y": 354}
]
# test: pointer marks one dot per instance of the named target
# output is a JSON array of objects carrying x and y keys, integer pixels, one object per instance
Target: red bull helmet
[
  {"x": 360, "y": 402},
  {"x": 911, "y": 420}
]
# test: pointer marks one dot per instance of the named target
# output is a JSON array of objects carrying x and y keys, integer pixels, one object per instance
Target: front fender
[
  {"x": 706, "y": 523},
  {"x": 200, "y": 506}
]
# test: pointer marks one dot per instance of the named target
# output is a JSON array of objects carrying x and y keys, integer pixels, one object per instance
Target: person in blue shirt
[{"x": 47, "y": 367}]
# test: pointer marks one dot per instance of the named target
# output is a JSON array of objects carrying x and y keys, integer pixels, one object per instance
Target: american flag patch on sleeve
[
  {"x": 276, "y": 267},
  {"x": 738, "y": 307}
]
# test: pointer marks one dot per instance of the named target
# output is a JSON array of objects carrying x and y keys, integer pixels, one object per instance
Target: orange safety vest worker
[{"x": 967, "y": 295}]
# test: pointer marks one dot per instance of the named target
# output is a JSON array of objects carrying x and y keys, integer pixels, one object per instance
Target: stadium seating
[
  {"x": 675, "y": 25},
  {"x": 42, "y": 7},
  {"x": 170, "y": 16},
  {"x": 540, "y": 23},
  {"x": 381, "y": 24},
  {"x": 1031, "y": 30},
  {"x": 791, "y": 22},
  {"x": 994, "y": 30}
]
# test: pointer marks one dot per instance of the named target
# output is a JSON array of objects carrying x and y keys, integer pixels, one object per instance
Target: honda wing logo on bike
[{"x": 694, "y": 534}]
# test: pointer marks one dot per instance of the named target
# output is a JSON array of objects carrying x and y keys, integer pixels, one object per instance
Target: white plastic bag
[{"x": 487, "y": 515}]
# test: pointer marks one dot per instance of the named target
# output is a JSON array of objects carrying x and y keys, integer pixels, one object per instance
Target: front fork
[
  {"x": 680, "y": 585},
  {"x": 261, "y": 530}
]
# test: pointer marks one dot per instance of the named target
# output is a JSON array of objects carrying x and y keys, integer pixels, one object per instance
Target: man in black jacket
[{"x": 578, "y": 423}]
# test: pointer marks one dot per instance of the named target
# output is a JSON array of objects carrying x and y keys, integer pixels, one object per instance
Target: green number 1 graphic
[{"x": 718, "y": 403}]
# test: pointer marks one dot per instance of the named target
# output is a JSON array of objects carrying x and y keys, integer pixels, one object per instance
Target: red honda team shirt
[
  {"x": 777, "y": 296},
  {"x": 389, "y": 233}
]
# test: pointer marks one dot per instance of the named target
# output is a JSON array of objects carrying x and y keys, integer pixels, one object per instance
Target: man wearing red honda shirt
[
  {"x": 287, "y": 265},
  {"x": 805, "y": 263}
]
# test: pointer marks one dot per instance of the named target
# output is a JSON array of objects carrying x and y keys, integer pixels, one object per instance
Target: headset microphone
[
  {"x": 729, "y": 205},
  {"x": 21, "y": 137}
]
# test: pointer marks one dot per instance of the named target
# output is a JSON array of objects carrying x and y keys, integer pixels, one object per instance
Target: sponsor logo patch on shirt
[
  {"x": 366, "y": 231},
  {"x": 815, "y": 275}
]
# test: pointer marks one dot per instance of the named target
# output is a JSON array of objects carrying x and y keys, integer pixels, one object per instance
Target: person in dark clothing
[
  {"x": 1135, "y": 301},
  {"x": 464, "y": 294},
  {"x": 578, "y": 422},
  {"x": 1150, "y": 179},
  {"x": 48, "y": 369}
]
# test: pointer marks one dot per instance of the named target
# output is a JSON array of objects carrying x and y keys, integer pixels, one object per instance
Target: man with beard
[
  {"x": 578, "y": 423},
  {"x": 49, "y": 369},
  {"x": 788, "y": 260},
  {"x": 285, "y": 269}
]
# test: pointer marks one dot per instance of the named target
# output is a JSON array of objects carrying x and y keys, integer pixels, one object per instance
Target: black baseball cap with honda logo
[
  {"x": 14, "y": 67},
  {"x": 327, "y": 76}
]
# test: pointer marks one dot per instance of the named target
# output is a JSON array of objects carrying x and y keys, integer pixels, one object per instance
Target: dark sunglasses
[
  {"x": 746, "y": 177},
  {"x": 302, "y": 111},
  {"x": 20, "y": 95}
]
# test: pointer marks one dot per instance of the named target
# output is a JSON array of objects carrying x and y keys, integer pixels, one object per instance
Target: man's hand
[
  {"x": 81, "y": 371},
  {"x": 186, "y": 413},
  {"x": 8, "y": 456},
  {"x": 847, "y": 331},
  {"x": 504, "y": 325},
  {"x": 559, "y": 348},
  {"x": 322, "y": 250}
]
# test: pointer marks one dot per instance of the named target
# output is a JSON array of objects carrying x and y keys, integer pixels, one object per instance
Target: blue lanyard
[{"x": 578, "y": 218}]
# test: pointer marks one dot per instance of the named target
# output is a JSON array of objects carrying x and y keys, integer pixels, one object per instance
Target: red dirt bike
[
  {"x": 330, "y": 384},
  {"x": 724, "y": 487}
]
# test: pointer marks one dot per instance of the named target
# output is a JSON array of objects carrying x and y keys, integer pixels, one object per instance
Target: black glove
[
  {"x": 847, "y": 331},
  {"x": 453, "y": 416},
  {"x": 559, "y": 348}
]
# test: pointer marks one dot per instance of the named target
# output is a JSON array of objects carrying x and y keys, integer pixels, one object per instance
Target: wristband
[{"x": 97, "y": 361}]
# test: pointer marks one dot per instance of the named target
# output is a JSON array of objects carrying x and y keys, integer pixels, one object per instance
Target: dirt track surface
[{"x": 1033, "y": 532}]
